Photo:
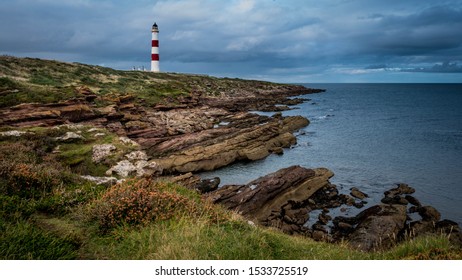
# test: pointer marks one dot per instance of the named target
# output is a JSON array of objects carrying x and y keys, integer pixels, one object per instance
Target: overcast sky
[{"x": 277, "y": 40}]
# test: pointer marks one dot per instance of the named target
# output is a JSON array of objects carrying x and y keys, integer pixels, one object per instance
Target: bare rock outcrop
[
  {"x": 211, "y": 149},
  {"x": 276, "y": 199},
  {"x": 384, "y": 225},
  {"x": 287, "y": 198}
]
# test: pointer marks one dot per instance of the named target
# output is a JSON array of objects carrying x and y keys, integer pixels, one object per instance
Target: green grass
[
  {"x": 25, "y": 80},
  {"x": 21, "y": 240},
  {"x": 184, "y": 238},
  {"x": 187, "y": 239}
]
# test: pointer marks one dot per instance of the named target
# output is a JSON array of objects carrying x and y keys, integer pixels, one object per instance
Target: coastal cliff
[{"x": 80, "y": 140}]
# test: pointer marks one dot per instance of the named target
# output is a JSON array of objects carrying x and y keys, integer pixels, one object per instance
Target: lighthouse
[{"x": 155, "y": 48}]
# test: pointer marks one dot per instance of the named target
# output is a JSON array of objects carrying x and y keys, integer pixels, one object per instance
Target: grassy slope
[
  {"x": 44, "y": 81},
  {"x": 48, "y": 212}
]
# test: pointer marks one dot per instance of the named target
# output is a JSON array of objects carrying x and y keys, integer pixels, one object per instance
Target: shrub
[
  {"x": 138, "y": 202},
  {"x": 27, "y": 180},
  {"x": 27, "y": 174}
]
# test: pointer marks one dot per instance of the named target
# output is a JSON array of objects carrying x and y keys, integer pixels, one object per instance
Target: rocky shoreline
[{"x": 200, "y": 132}]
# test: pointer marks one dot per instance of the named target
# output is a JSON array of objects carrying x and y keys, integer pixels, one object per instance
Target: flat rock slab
[{"x": 259, "y": 198}]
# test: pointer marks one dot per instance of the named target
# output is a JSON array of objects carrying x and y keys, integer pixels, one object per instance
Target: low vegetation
[{"x": 25, "y": 80}]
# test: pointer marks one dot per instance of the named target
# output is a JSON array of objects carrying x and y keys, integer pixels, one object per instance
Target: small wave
[{"x": 323, "y": 117}]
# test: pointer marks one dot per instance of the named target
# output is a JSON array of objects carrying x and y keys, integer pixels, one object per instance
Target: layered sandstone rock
[
  {"x": 285, "y": 200},
  {"x": 211, "y": 149},
  {"x": 278, "y": 199}
]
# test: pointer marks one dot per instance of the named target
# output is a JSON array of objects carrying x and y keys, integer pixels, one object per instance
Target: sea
[{"x": 373, "y": 136}]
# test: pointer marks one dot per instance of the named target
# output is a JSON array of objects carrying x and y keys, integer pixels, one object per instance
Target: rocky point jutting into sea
[{"x": 199, "y": 131}]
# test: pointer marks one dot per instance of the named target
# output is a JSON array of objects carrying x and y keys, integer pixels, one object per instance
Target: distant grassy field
[{"x": 24, "y": 80}]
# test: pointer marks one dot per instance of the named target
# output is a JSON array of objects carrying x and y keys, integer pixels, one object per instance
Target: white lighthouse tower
[{"x": 155, "y": 48}]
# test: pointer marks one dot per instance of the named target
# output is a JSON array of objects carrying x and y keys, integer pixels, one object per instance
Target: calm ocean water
[{"x": 374, "y": 135}]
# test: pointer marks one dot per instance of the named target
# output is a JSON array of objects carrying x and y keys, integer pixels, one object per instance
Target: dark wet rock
[
  {"x": 359, "y": 204},
  {"x": 318, "y": 226},
  {"x": 429, "y": 213},
  {"x": 379, "y": 230},
  {"x": 450, "y": 229},
  {"x": 355, "y": 192},
  {"x": 418, "y": 228},
  {"x": 349, "y": 201},
  {"x": 208, "y": 185},
  {"x": 345, "y": 227},
  {"x": 319, "y": 235},
  {"x": 324, "y": 218},
  {"x": 297, "y": 216},
  {"x": 446, "y": 227},
  {"x": 328, "y": 197},
  {"x": 399, "y": 190},
  {"x": 412, "y": 200},
  {"x": 396, "y": 199}
]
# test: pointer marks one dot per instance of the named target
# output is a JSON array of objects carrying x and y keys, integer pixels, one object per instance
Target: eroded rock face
[
  {"x": 276, "y": 199},
  {"x": 285, "y": 199},
  {"x": 383, "y": 225},
  {"x": 191, "y": 133},
  {"x": 209, "y": 150}
]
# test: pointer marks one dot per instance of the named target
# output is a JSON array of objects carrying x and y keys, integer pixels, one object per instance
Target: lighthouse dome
[{"x": 155, "y": 28}]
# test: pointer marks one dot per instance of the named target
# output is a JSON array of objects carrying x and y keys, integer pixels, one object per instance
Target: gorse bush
[
  {"x": 24, "y": 172},
  {"x": 28, "y": 180},
  {"x": 138, "y": 202}
]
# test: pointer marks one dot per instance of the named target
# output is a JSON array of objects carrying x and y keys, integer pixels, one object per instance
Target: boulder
[
  {"x": 105, "y": 181},
  {"x": 69, "y": 137},
  {"x": 15, "y": 133},
  {"x": 128, "y": 141},
  {"x": 429, "y": 213},
  {"x": 137, "y": 155},
  {"x": 396, "y": 199},
  {"x": 399, "y": 190},
  {"x": 412, "y": 200},
  {"x": 208, "y": 185},
  {"x": 379, "y": 229},
  {"x": 123, "y": 169},
  {"x": 355, "y": 192},
  {"x": 101, "y": 152},
  {"x": 276, "y": 199}
]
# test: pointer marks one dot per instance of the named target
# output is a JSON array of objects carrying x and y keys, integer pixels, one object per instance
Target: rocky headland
[{"x": 208, "y": 126}]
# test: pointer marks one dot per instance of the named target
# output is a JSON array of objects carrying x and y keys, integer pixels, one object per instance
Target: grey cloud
[
  {"x": 446, "y": 67},
  {"x": 432, "y": 30},
  {"x": 376, "y": 66}
]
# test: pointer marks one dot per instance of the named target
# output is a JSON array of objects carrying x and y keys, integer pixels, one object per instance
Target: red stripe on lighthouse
[
  {"x": 155, "y": 43},
  {"x": 154, "y": 56}
]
